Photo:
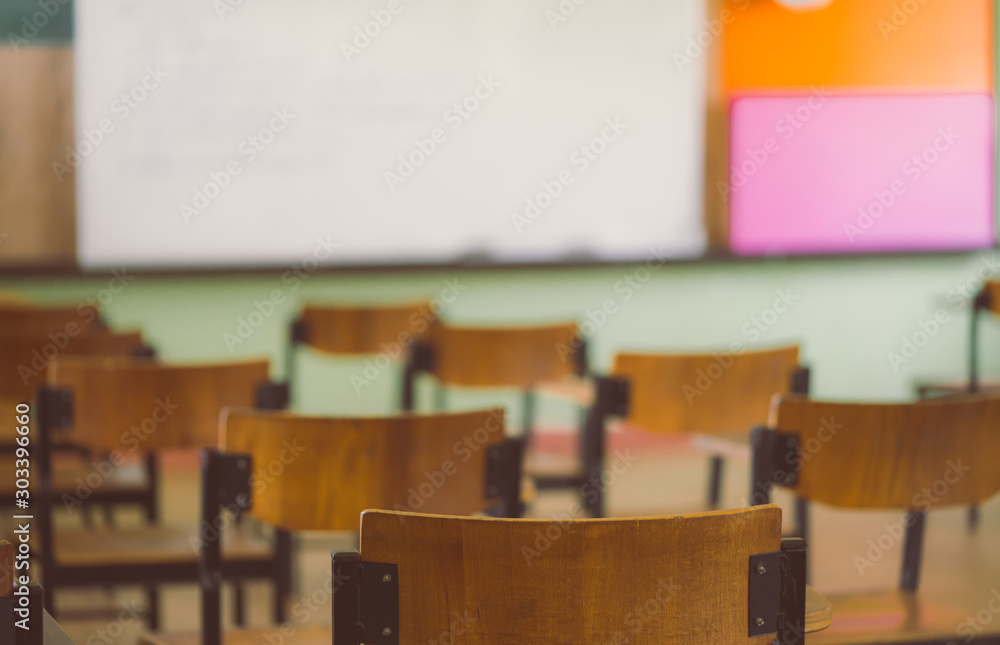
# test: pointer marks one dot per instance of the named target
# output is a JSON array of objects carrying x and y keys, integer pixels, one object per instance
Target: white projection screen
[{"x": 231, "y": 133}]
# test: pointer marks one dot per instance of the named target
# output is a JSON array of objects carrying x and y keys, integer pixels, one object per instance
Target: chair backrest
[
  {"x": 704, "y": 393},
  {"x": 504, "y": 356},
  {"x": 664, "y": 580},
  {"x": 24, "y": 356},
  {"x": 345, "y": 329},
  {"x": 25, "y": 317},
  {"x": 331, "y": 469},
  {"x": 312, "y": 473},
  {"x": 147, "y": 405},
  {"x": 908, "y": 456}
]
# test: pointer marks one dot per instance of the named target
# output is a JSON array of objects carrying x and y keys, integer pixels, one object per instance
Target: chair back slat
[
  {"x": 663, "y": 581},
  {"x": 25, "y": 356},
  {"x": 315, "y": 473},
  {"x": 911, "y": 456},
  {"x": 504, "y": 356},
  {"x": 366, "y": 329},
  {"x": 704, "y": 393},
  {"x": 31, "y": 318},
  {"x": 122, "y": 404}
]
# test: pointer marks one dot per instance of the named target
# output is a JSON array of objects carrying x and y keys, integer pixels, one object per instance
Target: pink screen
[{"x": 827, "y": 173}]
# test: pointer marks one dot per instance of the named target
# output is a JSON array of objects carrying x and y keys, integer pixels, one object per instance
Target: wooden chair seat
[
  {"x": 899, "y": 617},
  {"x": 819, "y": 611},
  {"x": 154, "y": 544},
  {"x": 70, "y": 473},
  {"x": 308, "y": 635}
]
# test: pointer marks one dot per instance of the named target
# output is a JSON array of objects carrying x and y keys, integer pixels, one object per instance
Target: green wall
[{"x": 849, "y": 314}]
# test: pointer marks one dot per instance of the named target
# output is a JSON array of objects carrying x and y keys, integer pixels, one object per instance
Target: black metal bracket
[
  {"x": 503, "y": 476},
  {"x": 9, "y": 632},
  {"x": 421, "y": 356},
  {"x": 792, "y": 619},
  {"x": 225, "y": 482},
  {"x": 611, "y": 398},
  {"x": 271, "y": 396},
  {"x": 611, "y": 395},
  {"x": 581, "y": 365},
  {"x": 144, "y": 352},
  {"x": 420, "y": 359},
  {"x": 775, "y": 461},
  {"x": 800, "y": 380},
  {"x": 365, "y": 601},
  {"x": 232, "y": 480},
  {"x": 764, "y": 594},
  {"x": 299, "y": 331}
]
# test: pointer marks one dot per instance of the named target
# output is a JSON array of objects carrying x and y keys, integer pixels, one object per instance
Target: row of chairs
[{"x": 642, "y": 390}]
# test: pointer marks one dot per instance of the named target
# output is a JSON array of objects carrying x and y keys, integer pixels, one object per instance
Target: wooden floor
[{"x": 961, "y": 573}]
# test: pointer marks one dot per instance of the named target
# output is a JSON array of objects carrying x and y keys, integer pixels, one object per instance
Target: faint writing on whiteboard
[
  {"x": 225, "y": 7},
  {"x": 581, "y": 159},
  {"x": 364, "y": 34},
  {"x": 248, "y": 149},
  {"x": 122, "y": 107},
  {"x": 455, "y": 116}
]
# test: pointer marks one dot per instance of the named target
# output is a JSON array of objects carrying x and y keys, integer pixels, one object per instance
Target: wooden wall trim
[{"x": 37, "y": 210}]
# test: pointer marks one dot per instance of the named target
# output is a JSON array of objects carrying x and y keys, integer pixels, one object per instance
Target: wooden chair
[
  {"x": 987, "y": 300},
  {"x": 725, "y": 577},
  {"x": 343, "y": 466},
  {"x": 497, "y": 357},
  {"x": 55, "y": 319},
  {"x": 355, "y": 330},
  {"x": 24, "y": 357},
  {"x": 884, "y": 456},
  {"x": 119, "y": 406},
  {"x": 682, "y": 394}
]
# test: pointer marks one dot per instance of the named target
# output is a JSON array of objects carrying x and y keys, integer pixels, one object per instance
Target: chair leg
[
  {"x": 153, "y": 608},
  {"x": 715, "y": 482},
  {"x": 913, "y": 547},
  {"x": 153, "y": 482},
  {"x": 802, "y": 518},
  {"x": 973, "y": 517},
  {"x": 239, "y": 604},
  {"x": 282, "y": 573}
]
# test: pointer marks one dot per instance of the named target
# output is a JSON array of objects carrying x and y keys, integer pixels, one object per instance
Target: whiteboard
[{"x": 395, "y": 131}]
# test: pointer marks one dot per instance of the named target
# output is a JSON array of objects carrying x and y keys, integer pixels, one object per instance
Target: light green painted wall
[{"x": 849, "y": 314}]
